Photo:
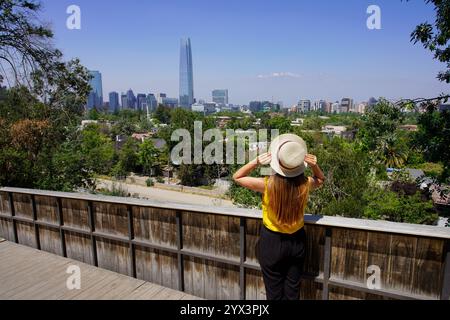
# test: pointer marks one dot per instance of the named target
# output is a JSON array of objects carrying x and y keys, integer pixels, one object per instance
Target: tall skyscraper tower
[
  {"x": 186, "y": 75},
  {"x": 95, "y": 98},
  {"x": 131, "y": 100},
  {"x": 113, "y": 101},
  {"x": 141, "y": 101}
]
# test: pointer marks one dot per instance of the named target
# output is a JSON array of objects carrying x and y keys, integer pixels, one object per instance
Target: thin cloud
[{"x": 279, "y": 75}]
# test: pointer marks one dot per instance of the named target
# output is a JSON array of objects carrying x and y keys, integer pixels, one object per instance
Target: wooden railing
[{"x": 210, "y": 251}]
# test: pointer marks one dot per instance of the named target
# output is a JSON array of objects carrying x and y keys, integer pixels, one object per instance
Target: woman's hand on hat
[
  {"x": 264, "y": 159},
  {"x": 311, "y": 160}
]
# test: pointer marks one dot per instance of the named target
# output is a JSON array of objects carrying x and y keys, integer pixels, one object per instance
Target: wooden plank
[
  {"x": 6, "y": 229},
  {"x": 188, "y": 274},
  {"x": 22, "y": 205},
  {"x": 50, "y": 240},
  {"x": 46, "y": 209},
  {"x": 168, "y": 294},
  {"x": 356, "y": 256},
  {"x": 100, "y": 288},
  {"x": 315, "y": 242},
  {"x": 157, "y": 226},
  {"x": 338, "y": 249},
  {"x": 194, "y": 268},
  {"x": 157, "y": 266},
  {"x": 310, "y": 290},
  {"x": 79, "y": 247},
  {"x": 26, "y": 235},
  {"x": 91, "y": 278},
  {"x": 119, "y": 288},
  {"x": 378, "y": 254},
  {"x": 253, "y": 227},
  {"x": 4, "y": 204},
  {"x": 75, "y": 213},
  {"x": 111, "y": 218},
  {"x": 401, "y": 262},
  {"x": 114, "y": 256},
  {"x": 213, "y": 283},
  {"x": 427, "y": 277},
  {"x": 146, "y": 292}
]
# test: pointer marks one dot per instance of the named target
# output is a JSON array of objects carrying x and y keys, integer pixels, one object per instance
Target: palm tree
[{"x": 390, "y": 153}]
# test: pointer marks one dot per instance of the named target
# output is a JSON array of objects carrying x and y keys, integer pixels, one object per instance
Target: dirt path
[{"x": 166, "y": 195}]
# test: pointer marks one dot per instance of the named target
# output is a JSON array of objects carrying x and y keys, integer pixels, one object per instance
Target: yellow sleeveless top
[{"x": 269, "y": 217}]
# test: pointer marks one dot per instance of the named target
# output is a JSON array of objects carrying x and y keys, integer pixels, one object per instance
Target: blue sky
[{"x": 320, "y": 49}]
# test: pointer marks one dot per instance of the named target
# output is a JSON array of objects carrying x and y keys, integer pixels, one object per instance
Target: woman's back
[{"x": 284, "y": 202}]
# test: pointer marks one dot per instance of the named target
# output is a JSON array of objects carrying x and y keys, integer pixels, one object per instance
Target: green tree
[
  {"x": 128, "y": 156},
  {"x": 390, "y": 152},
  {"x": 68, "y": 170},
  {"x": 435, "y": 37},
  {"x": 190, "y": 175},
  {"x": 313, "y": 123},
  {"x": 24, "y": 41},
  {"x": 387, "y": 205},
  {"x": 97, "y": 149},
  {"x": 346, "y": 169},
  {"x": 433, "y": 138},
  {"x": 279, "y": 123},
  {"x": 380, "y": 120},
  {"x": 434, "y": 126},
  {"x": 93, "y": 114},
  {"x": 148, "y": 156},
  {"x": 162, "y": 113},
  {"x": 124, "y": 127}
]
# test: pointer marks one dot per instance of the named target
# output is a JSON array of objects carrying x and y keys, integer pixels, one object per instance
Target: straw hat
[{"x": 288, "y": 155}]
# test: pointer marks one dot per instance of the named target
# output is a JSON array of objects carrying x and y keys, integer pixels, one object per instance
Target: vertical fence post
[
  {"x": 61, "y": 230},
  {"x": 130, "y": 239},
  {"x": 180, "y": 257},
  {"x": 445, "y": 292},
  {"x": 36, "y": 226},
  {"x": 326, "y": 264},
  {"x": 242, "y": 244},
  {"x": 92, "y": 229},
  {"x": 13, "y": 214}
]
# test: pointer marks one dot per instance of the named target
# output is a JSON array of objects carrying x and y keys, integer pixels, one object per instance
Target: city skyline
[{"x": 259, "y": 51}]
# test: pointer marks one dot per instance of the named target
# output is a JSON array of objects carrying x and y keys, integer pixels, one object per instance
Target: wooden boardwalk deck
[{"x": 29, "y": 274}]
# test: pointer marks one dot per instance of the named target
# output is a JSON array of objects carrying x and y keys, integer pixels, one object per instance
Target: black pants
[{"x": 281, "y": 257}]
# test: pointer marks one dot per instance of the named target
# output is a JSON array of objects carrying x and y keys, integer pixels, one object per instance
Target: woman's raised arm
[{"x": 241, "y": 177}]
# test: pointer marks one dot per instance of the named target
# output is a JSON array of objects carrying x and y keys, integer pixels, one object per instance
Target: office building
[
  {"x": 304, "y": 106},
  {"x": 346, "y": 105},
  {"x": 255, "y": 106},
  {"x": 335, "y": 107},
  {"x": 124, "y": 101},
  {"x": 131, "y": 100},
  {"x": 210, "y": 108},
  {"x": 160, "y": 97},
  {"x": 141, "y": 101},
  {"x": 186, "y": 75},
  {"x": 198, "y": 107},
  {"x": 170, "y": 102},
  {"x": 113, "y": 101},
  {"x": 220, "y": 96},
  {"x": 95, "y": 98},
  {"x": 152, "y": 103}
]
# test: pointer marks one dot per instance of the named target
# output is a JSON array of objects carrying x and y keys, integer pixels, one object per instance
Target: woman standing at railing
[{"x": 281, "y": 247}]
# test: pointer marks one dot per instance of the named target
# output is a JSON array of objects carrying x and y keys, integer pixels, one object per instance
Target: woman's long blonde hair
[{"x": 288, "y": 198}]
